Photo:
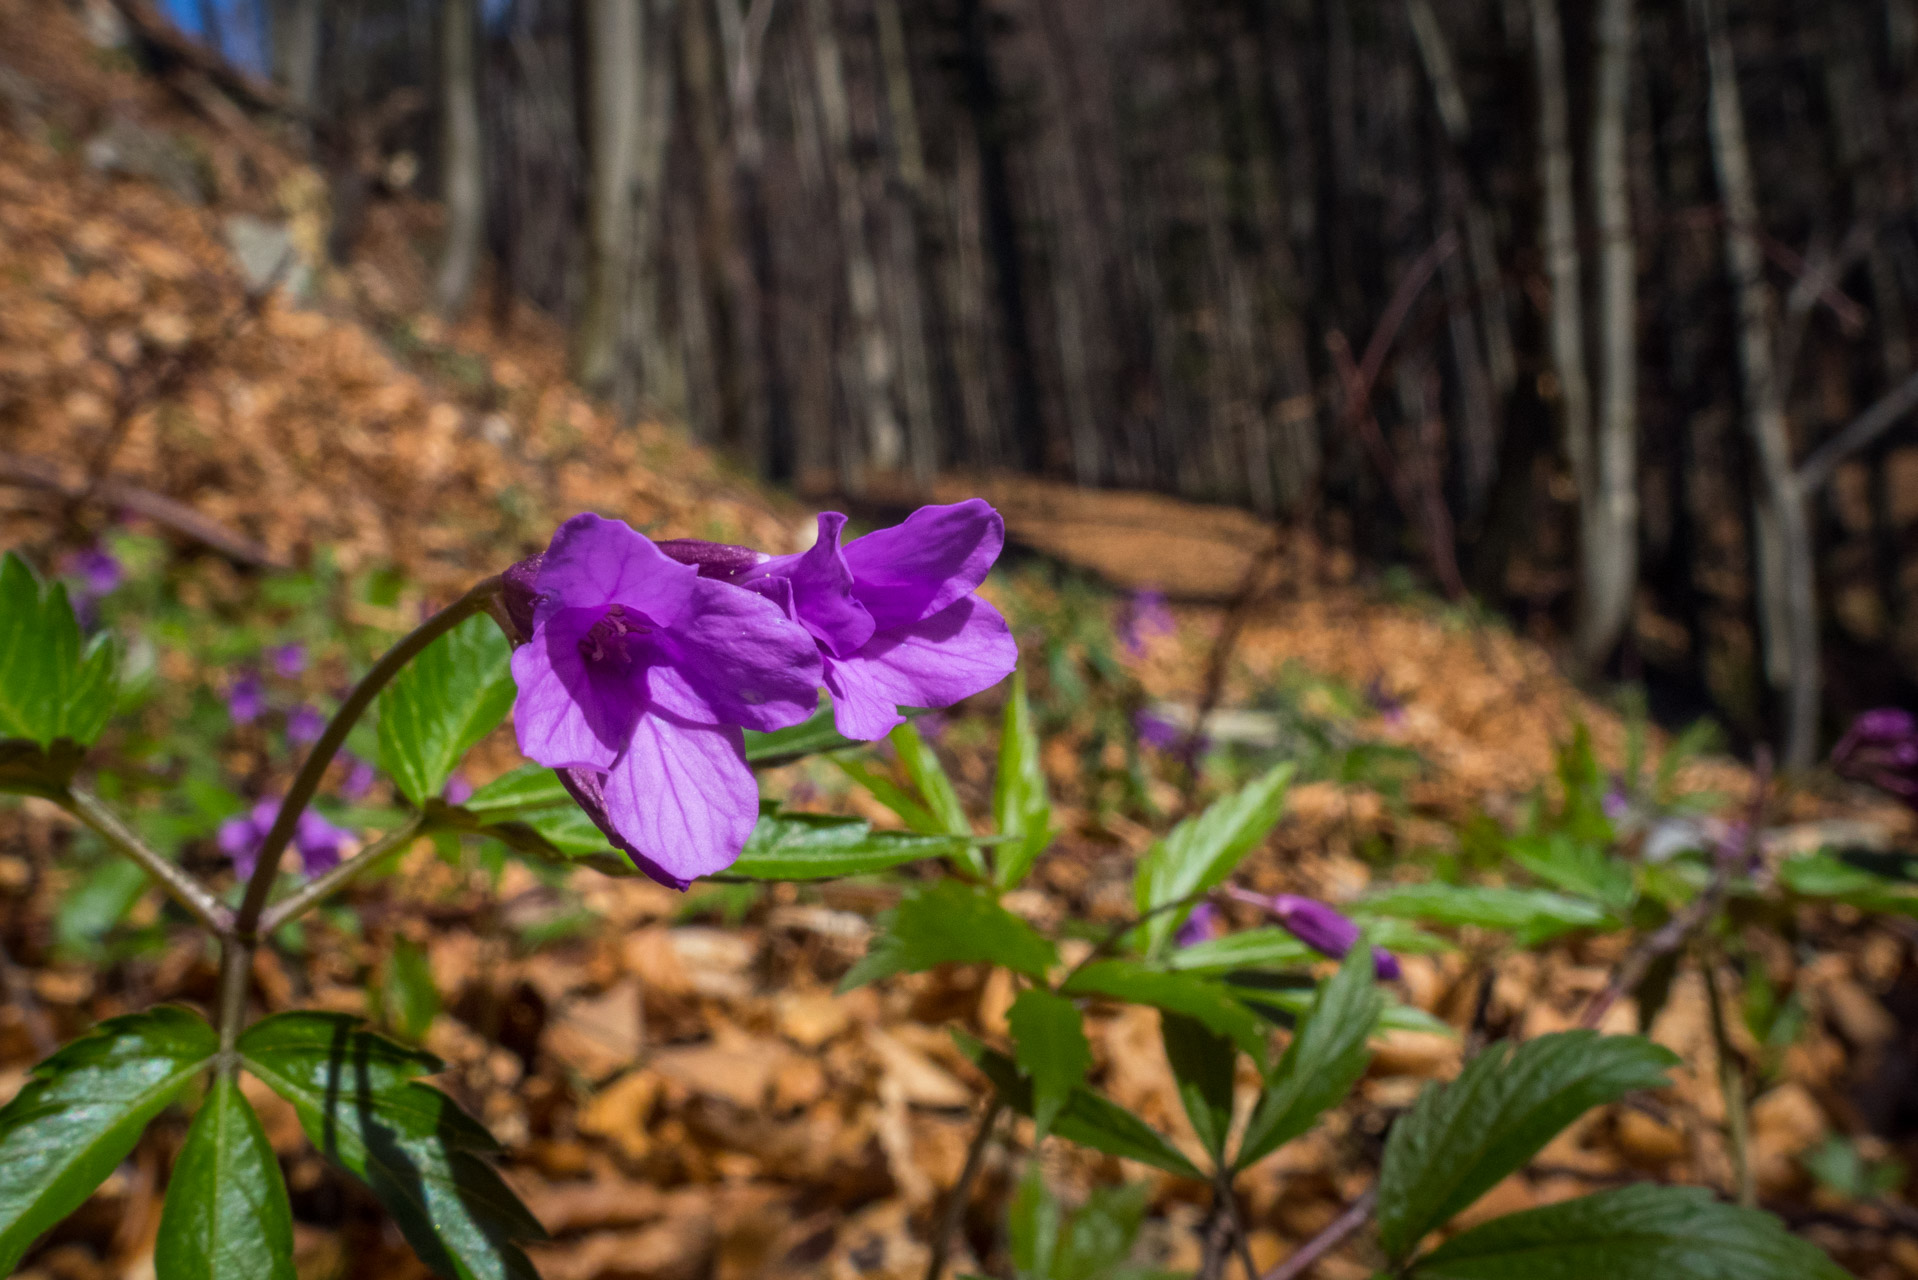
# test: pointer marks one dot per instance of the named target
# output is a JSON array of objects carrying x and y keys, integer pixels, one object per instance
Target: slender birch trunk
[
  {"x": 463, "y": 177},
  {"x": 615, "y": 99}
]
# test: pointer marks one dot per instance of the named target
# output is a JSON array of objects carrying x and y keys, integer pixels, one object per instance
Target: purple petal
[
  {"x": 720, "y": 560},
  {"x": 1202, "y": 925},
  {"x": 594, "y": 562},
  {"x": 304, "y": 725},
  {"x": 734, "y": 658},
  {"x": 684, "y": 797},
  {"x": 245, "y": 700},
  {"x": 360, "y": 778},
  {"x": 288, "y": 660},
  {"x": 960, "y": 651},
  {"x": 567, "y": 714},
  {"x": 100, "y": 572},
  {"x": 519, "y": 596},
  {"x": 920, "y": 567},
  {"x": 457, "y": 790},
  {"x": 321, "y": 845},
  {"x": 822, "y": 590},
  {"x": 1322, "y": 928}
]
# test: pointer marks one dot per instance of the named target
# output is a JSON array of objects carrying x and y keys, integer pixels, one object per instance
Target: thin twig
[
  {"x": 18, "y": 987},
  {"x": 322, "y": 887},
  {"x": 1229, "y": 1206},
  {"x": 37, "y": 473},
  {"x": 1219, "y": 661},
  {"x": 1670, "y": 936},
  {"x": 185, "y": 889},
  {"x": 962, "y": 1190},
  {"x": 1307, "y": 1255},
  {"x": 1731, "y": 1086}
]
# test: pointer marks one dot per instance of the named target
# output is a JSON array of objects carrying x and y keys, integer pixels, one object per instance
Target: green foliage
[
  {"x": 1052, "y": 1051},
  {"x": 358, "y": 1100},
  {"x": 1269, "y": 947},
  {"x": 1210, "y": 1003},
  {"x": 929, "y": 776},
  {"x": 528, "y": 787},
  {"x": 1583, "y": 869},
  {"x": 83, "y": 1109},
  {"x": 1050, "y": 1242},
  {"x": 1203, "y": 850},
  {"x": 1203, "y": 1063},
  {"x": 406, "y": 992},
  {"x": 813, "y": 846},
  {"x": 1020, "y": 805},
  {"x": 1461, "y": 1138},
  {"x": 52, "y": 686},
  {"x": 1831, "y": 877},
  {"x": 1666, "y": 1233},
  {"x": 448, "y": 698},
  {"x": 952, "y": 923},
  {"x": 814, "y": 736},
  {"x": 1325, "y": 1059},
  {"x": 227, "y": 1215},
  {"x": 1533, "y": 915},
  {"x": 1841, "y": 1168}
]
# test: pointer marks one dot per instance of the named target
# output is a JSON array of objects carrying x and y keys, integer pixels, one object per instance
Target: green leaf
[
  {"x": 811, "y": 737},
  {"x": 816, "y": 846},
  {"x": 1461, "y": 1138},
  {"x": 1087, "y": 1118},
  {"x": 227, "y": 1215},
  {"x": 358, "y": 1101},
  {"x": 929, "y": 776},
  {"x": 1211, "y": 1003},
  {"x": 1203, "y": 850},
  {"x": 52, "y": 686},
  {"x": 1052, "y": 1051},
  {"x": 82, "y": 1110},
  {"x": 27, "y": 769},
  {"x": 1821, "y": 875},
  {"x": 1535, "y": 915},
  {"x": 1101, "y": 1234},
  {"x": 1203, "y": 1064},
  {"x": 1585, "y": 870},
  {"x": 441, "y": 703},
  {"x": 952, "y": 923},
  {"x": 1032, "y": 1225},
  {"x": 530, "y": 786},
  {"x": 1325, "y": 1059},
  {"x": 1658, "y": 1233},
  {"x": 1020, "y": 804},
  {"x": 1269, "y": 947},
  {"x": 410, "y": 998},
  {"x": 895, "y": 797}
]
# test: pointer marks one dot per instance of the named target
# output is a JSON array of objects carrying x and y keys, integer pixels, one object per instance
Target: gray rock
[
  {"x": 264, "y": 252},
  {"x": 135, "y": 151}
]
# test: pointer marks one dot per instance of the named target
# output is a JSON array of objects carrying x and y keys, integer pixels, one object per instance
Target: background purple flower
[
  {"x": 634, "y": 683},
  {"x": 1144, "y": 616},
  {"x": 360, "y": 777},
  {"x": 319, "y": 843},
  {"x": 894, "y": 613},
  {"x": 97, "y": 571},
  {"x": 245, "y": 700},
  {"x": 1881, "y": 748},
  {"x": 457, "y": 790},
  {"x": 304, "y": 725},
  {"x": 1157, "y": 730},
  {"x": 1389, "y": 706},
  {"x": 1320, "y": 927},
  {"x": 1202, "y": 925},
  {"x": 288, "y": 660}
]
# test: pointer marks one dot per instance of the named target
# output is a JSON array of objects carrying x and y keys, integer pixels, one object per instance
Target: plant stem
[
  {"x": 1229, "y": 1207},
  {"x": 186, "y": 890},
  {"x": 962, "y": 1190},
  {"x": 1307, "y": 1255},
  {"x": 320, "y": 888},
  {"x": 1731, "y": 1086},
  {"x": 307, "y": 781},
  {"x": 236, "y": 966}
]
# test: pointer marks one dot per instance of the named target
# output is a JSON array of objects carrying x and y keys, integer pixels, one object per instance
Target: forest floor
[{"x": 679, "y": 1091}]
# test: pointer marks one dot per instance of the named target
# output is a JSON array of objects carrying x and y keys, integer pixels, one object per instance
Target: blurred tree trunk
[
  {"x": 1609, "y": 508},
  {"x": 463, "y": 177},
  {"x": 906, "y": 244},
  {"x": 615, "y": 99},
  {"x": 295, "y": 36},
  {"x": 1787, "y": 594}
]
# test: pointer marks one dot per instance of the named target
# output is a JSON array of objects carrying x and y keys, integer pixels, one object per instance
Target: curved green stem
[
  {"x": 322, "y": 887},
  {"x": 307, "y": 781},
  {"x": 186, "y": 890}
]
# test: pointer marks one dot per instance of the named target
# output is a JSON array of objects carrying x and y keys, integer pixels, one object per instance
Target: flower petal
[
  {"x": 822, "y": 590},
  {"x": 954, "y": 654},
  {"x": 861, "y": 709},
  {"x": 919, "y": 567},
  {"x": 735, "y": 658},
  {"x": 594, "y": 562},
  {"x": 683, "y": 796},
  {"x": 565, "y": 716}
]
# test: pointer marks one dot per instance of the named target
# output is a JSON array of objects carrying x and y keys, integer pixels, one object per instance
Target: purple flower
[
  {"x": 1881, "y": 748},
  {"x": 319, "y": 843},
  {"x": 245, "y": 700},
  {"x": 1145, "y": 615},
  {"x": 1320, "y": 927},
  {"x": 457, "y": 790},
  {"x": 288, "y": 660},
  {"x": 894, "y": 614},
  {"x": 1389, "y": 706},
  {"x": 360, "y": 777},
  {"x": 1202, "y": 925},
  {"x": 1617, "y": 802},
  {"x": 720, "y": 560},
  {"x": 635, "y": 679},
  {"x": 98, "y": 571},
  {"x": 304, "y": 725},
  {"x": 1155, "y": 730}
]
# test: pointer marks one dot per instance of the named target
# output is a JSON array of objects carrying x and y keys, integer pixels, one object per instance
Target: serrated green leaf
[
  {"x": 1821, "y": 875},
  {"x": 1325, "y": 1059},
  {"x": 1032, "y": 1225},
  {"x": 441, "y": 703},
  {"x": 358, "y": 1101},
  {"x": 83, "y": 1109},
  {"x": 227, "y": 1216},
  {"x": 1051, "y": 1048},
  {"x": 1459, "y": 1139},
  {"x": 1203, "y": 850},
  {"x": 812, "y": 737},
  {"x": 1020, "y": 805},
  {"x": 815, "y": 846},
  {"x": 52, "y": 686},
  {"x": 1269, "y": 947},
  {"x": 1212, "y": 1003},
  {"x": 1576, "y": 867},
  {"x": 1087, "y": 1118},
  {"x": 1203, "y": 1065},
  {"x": 1534, "y": 915},
  {"x": 1100, "y": 1235},
  {"x": 1659, "y": 1233},
  {"x": 528, "y": 787},
  {"x": 952, "y": 923}
]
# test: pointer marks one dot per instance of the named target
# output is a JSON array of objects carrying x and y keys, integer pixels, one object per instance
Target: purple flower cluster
[
  {"x": 641, "y": 662},
  {"x": 1144, "y": 616},
  {"x": 1881, "y": 748},
  {"x": 321, "y": 845},
  {"x": 1320, "y": 927}
]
